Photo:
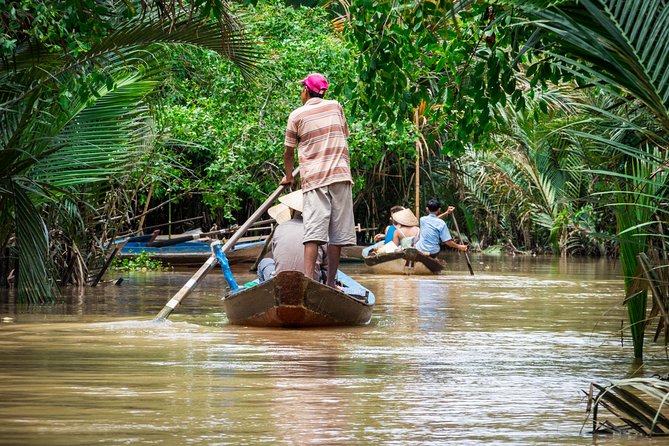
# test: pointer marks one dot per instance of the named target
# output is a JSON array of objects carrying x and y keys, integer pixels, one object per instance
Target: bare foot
[{"x": 335, "y": 286}]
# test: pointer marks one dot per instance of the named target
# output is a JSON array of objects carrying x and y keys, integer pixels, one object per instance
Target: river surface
[{"x": 502, "y": 357}]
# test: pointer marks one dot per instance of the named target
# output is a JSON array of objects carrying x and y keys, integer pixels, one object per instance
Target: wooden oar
[
  {"x": 211, "y": 261},
  {"x": 469, "y": 264}
]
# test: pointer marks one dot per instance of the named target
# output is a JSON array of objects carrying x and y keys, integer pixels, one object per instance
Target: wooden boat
[
  {"x": 193, "y": 253},
  {"x": 406, "y": 261},
  {"x": 292, "y": 300},
  {"x": 351, "y": 254}
]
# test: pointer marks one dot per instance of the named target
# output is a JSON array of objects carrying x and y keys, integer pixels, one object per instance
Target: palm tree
[{"x": 75, "y": 125}]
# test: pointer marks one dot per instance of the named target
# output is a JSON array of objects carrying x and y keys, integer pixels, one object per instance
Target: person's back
[
  {"x": 433, "y": 232},
  {"x": 390, "y": 233},
  {"x": 406, "y": 236},
  {"x": 407, "y": 228},
  {"x": 287, "y": 249},
  {"x": 319, "y": 130}
]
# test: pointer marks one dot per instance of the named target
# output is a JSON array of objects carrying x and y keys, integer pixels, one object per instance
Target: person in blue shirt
[
  {"x": 389, "y": 232},
  {"x": 386, "y": 236},
  {"x": 434, "y": 232}
]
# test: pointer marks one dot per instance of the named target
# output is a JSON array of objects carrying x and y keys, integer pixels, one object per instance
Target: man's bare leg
[
  {"x": 310, "y": 256},
  {"x": 334, "y": 252}
]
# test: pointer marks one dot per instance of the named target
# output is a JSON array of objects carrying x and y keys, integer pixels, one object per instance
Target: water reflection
[{"x": 497, "y": 358}]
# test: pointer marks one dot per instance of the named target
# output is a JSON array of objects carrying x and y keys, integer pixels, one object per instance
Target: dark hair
[
  {"x": 433, "y": 205},
  {"x": 313, "y": 94},
  {"x": 393, "y": 210}
]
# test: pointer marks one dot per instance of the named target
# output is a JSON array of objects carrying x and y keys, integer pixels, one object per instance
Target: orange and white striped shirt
[{"x": 318, "y": 129}]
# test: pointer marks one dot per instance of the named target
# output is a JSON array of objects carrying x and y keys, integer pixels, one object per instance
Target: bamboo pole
[{"x": 417, "y": 186}]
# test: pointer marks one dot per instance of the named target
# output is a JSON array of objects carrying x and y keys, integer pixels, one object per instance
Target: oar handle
[
  {"x": 211, "y": 261},
  {"x": 469, "y": 264}
]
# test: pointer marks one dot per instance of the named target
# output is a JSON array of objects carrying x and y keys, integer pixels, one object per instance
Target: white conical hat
[
  {"x": 405, "y": 217},
  {"x": 293, "y": 200},
  {"x": 280, "y": 213}
]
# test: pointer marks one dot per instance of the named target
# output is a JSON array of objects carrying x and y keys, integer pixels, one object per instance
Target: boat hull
[
  {"x": 409, "y": 261},
  {"x": 292, "y": 300}
]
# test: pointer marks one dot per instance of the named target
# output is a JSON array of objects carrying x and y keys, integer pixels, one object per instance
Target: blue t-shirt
[
  {"x": 390, "y": 234},
  {"x": 433, "y": 232}
]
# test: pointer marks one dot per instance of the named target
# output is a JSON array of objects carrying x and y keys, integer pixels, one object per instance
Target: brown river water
[{"x": 499, "y": 358}]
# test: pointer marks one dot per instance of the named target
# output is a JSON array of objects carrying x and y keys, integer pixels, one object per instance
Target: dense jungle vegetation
[{"x": 545, "y": 123}]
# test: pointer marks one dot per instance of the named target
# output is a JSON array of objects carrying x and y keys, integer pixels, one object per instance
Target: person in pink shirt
[{"x": 319, "y": 132}]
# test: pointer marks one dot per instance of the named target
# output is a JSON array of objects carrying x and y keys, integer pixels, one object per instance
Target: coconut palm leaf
[
  {"x": 37, "y": 284},
  {"x": 138, "y": 39},
  {"x": 105, "y": 138},
  {"x": 85, "y": 120},
  {"x": 635, "y": 205},
  {"x": 625, "y": 45}
]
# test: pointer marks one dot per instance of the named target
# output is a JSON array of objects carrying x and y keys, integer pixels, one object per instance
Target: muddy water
[{"x": 498, "y": 358}]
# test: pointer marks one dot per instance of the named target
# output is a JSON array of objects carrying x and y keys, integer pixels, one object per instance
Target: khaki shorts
[{"x": 328, "y": 215}]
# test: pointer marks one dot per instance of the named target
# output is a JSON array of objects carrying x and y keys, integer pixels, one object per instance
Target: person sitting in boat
[
  {"x": 407, "y": 230},
  {"x": 287, "y": 247},
  {"x": 390, "y": 229},
  {"x": 385, "y": 238},
  {"x": 434, "y": 232}
]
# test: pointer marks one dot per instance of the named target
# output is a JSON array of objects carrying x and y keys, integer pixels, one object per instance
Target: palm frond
[
  {"x": 104, "y": 137},
  {"x": 617, "y": 43},
  {"x": 35, "y": 281}
]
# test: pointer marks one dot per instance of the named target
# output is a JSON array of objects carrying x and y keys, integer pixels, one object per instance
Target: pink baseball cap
[{"x": 315, "y": 82}]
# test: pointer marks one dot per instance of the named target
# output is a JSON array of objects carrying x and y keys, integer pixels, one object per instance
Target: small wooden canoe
[
  {"x": 193, "y": 253},
  {"x": 407, "y": 261},
  {"x": 292, "y": 300}
]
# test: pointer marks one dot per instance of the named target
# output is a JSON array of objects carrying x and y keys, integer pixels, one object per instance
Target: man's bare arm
[
  {"x": 288, "y": 165},
  {"x": 457, "y": 246},
  {"x": 449, "y": 211}
]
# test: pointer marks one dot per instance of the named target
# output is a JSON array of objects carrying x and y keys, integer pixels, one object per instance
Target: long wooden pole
[
  {"x": 417, "y": 179},
  {"x": 469, "y": 264},
  {"x": 211, "y": 261}
]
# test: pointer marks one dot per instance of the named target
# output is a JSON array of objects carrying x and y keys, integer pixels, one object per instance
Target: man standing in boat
[
  {"x": 318, "y": 130},
  {"x": 434, "y": 232}
]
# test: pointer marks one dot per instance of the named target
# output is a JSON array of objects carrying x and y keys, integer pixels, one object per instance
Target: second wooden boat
[
  {"x": 406, "y": 261},
  {"x": 290, "y": 299},
  {"x": 193, "y": 253}
]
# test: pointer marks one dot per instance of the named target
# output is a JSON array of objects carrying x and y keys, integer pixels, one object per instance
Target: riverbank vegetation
[{"x": 545, "y": 123}]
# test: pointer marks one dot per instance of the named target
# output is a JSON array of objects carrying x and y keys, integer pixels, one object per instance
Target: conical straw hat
[
  {"x": 280, "y": 213},
  {"x": 405, "y": 217},
  {"x": 293, "y": 200}
]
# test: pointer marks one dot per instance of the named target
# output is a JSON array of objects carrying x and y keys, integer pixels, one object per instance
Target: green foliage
[
  {"x": 75, "y": 120},
  {"x": 618, "y": 45},
  {"x": 141, "y": 262},
  {"x": 621, "y": 47},
  {"x": 446, "y": 59},
  {"x": 230, "y": 133}
]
